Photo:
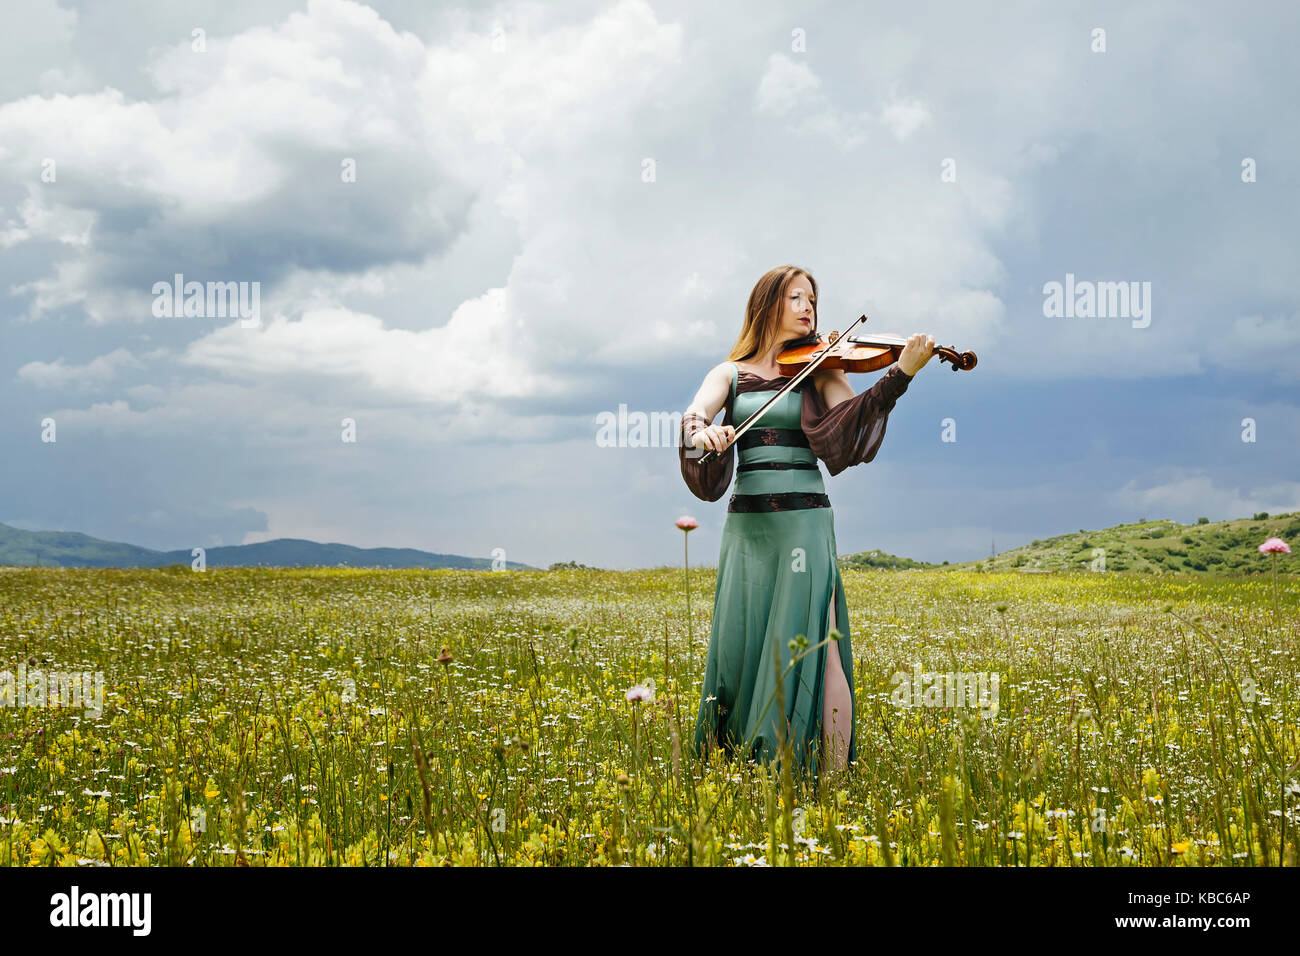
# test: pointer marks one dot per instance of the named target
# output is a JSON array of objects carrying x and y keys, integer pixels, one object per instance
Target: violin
[{"x": 865, "y": 353}]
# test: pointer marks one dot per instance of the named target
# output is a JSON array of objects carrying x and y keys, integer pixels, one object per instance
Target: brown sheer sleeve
[
  {"x": 709, "y": 480},
  {"x": 851, "y": 432}
]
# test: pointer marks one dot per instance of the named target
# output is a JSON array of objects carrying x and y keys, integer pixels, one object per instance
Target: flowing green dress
[{"x": 778, "y": 573}]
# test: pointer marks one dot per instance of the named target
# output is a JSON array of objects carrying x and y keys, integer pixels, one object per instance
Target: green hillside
[
  {"x": 71, "y": 549},
  {"x": 880, "y": 561},
  {"x": 1154, "y": 547}
]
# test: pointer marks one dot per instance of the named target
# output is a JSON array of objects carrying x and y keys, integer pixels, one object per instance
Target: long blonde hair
[{"x": 763, "y": 313}]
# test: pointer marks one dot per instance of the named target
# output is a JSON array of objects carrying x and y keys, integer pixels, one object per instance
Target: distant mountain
[
  {"x": 71, "y": 549},
  {"x": 1152, "y": 547}
]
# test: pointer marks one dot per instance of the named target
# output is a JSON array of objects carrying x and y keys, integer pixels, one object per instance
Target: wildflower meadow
[{"x": 330, "y": 717}]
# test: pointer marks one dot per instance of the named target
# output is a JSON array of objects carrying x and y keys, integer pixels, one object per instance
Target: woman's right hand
[{"x": 714, "y": 438}]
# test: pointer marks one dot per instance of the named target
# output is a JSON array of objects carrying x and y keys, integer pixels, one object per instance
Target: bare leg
[{"x": 837, "y": 706}]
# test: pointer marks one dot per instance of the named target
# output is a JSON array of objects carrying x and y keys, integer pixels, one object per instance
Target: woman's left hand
[{"x": 918, "y": 350}]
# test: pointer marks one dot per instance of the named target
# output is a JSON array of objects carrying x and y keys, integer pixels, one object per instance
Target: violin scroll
[{"x": 961, "y": 361}]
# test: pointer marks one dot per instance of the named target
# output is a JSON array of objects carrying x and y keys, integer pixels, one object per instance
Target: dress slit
[{"x": 831, "y": 625}]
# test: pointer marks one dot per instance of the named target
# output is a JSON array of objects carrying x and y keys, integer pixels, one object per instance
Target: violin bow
[{"x": 794, "y": 381}]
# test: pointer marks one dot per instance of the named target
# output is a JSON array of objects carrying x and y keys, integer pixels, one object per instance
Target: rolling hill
[{"x": 1154, "y": 547}]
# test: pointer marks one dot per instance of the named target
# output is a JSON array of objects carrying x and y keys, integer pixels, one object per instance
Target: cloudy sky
[{"x": 473, "y": 229}]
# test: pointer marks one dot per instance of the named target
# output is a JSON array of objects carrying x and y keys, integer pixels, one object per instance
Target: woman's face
[{"x": 799, "y": 310}]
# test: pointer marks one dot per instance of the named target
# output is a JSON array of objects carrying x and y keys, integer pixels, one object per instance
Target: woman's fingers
[
  {"x": 919, "y": 350},
  {"x": 708, "y": 438},
  {"x": 715, "y": 437}
]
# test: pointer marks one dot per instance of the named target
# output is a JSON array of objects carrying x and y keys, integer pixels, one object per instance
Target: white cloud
[
  {"x": 235, "y": 169},
  {"x": 56, "y": 223},
  {"x": 219, "y": 161},
  {"x": 788, "y": 85},
  {"x": 97, "y": 371},
  {"x": 905, "y": 116},
  {"x": 337, "y": 346},
  {"x": 1191, "y": 495},
  {"x": 785, "y": 85},
  {"x": 37, "y": 43}
]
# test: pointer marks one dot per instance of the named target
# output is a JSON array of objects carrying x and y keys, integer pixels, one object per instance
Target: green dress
[{"x": 778, "y": 573}]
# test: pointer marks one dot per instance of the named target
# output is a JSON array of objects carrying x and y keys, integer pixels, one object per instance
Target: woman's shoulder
[{"x": 723, "y": 370}]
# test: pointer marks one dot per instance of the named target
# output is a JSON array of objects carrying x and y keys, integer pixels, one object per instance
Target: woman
[{"x": 778, "y": 576}]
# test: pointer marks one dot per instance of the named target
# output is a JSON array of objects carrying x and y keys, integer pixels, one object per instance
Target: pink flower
[
  {"x": 686, "y": 523},
  {"x": 641, "y": 692},
  {"x": 1274, "y": 546}
]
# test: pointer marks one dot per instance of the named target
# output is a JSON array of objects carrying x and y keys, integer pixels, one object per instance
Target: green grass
[{"x": 301, "y": 717}]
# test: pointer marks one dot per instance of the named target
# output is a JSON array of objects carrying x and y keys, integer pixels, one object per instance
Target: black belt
[
  {"x": 782, "y": 501},
  {"x": 768, "y": 437},
  {"x": 777, "y": 465}
]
